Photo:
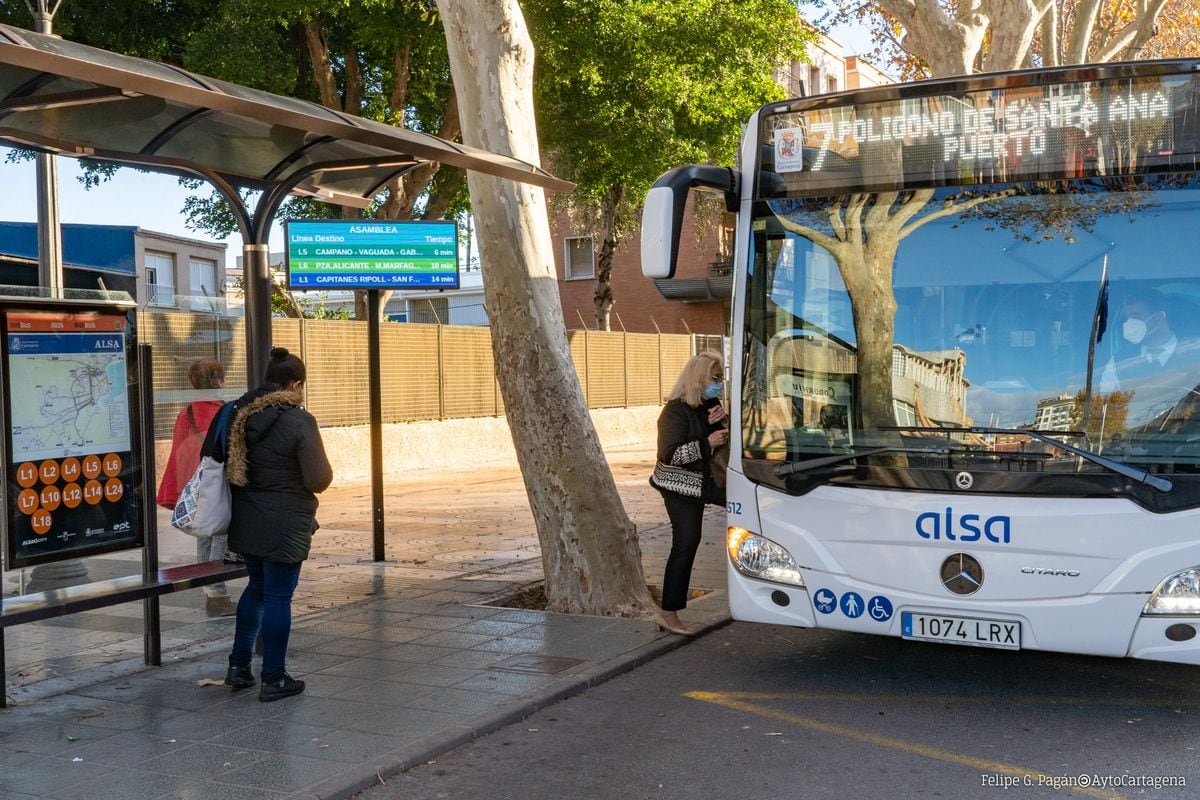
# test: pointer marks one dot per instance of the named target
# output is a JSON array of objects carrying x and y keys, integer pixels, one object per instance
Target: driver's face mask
[{"x": 1135, "y": 330}]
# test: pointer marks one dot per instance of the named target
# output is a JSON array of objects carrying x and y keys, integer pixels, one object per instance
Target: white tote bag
[{"x": 204, "y": 506}]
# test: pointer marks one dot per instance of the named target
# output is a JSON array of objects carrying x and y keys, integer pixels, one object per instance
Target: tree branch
[
  {"x": 1130, "y": 39},
  {"x": 1050, "y": 41},
  {"x": 951, "y": 208},
  {"x": 352, "y": 104},
  {"x": 812, "y": 234},
  {"x": 401, "y": 76},
  {"x": 911, "y": 206},
  {"x": 322, "y": 67},
  {"x": 948, "y": 46},
  {"x": 1012, "y": 30},
  {"x": 1084, "y": 23}
]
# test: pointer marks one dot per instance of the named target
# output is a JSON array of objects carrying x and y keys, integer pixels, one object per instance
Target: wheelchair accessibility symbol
[
  {"x": 852, "y": 605},
  {"x": 880, "y": 608},
  {"x": 825, "y": 601}
]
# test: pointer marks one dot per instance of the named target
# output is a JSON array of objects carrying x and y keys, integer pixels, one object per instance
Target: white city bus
[{"x": 966, "y": 349}]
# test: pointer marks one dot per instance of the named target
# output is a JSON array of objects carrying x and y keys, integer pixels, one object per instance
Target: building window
[
  {"x": 579, "y": 257},
  {"x": 204, "y": 283},
  {"x": 160, "y": 279},
  {"x": 906, "y": 413},
  {"x": 430, "y": 310},
  {"x": 833, "y": 86},
  {"x": 814, "y": 80}
]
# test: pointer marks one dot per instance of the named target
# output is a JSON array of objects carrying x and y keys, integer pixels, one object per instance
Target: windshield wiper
[
  {"x": 792, "y": 467},
  {"x": 1138, "y": 474}
]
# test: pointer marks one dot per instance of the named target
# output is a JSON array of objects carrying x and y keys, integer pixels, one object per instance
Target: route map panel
[{"x": 69, "y": 435}]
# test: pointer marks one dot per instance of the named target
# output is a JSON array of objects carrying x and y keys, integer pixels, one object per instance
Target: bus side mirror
[{"x": 662, "y": 213}]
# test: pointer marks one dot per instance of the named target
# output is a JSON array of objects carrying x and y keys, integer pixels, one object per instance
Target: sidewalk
[{"x": 402, "y": 660}]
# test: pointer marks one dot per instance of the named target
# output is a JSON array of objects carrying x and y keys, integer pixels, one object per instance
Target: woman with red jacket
[{"x": 206, "y": 376}]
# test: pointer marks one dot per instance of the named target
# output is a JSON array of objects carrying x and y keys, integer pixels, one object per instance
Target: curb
[{"x": 378, "y": 770}]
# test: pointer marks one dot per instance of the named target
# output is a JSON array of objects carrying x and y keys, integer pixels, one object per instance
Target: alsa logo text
[{"x": 964, "y": 528}]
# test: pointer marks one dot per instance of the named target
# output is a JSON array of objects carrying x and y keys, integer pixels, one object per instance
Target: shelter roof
[{"x": 63, "y": 97}]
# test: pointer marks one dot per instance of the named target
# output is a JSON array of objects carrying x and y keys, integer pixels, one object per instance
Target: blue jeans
[{"x": 266, "y": 605}]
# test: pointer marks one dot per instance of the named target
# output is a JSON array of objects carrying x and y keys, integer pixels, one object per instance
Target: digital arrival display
[{"x": 365, "y": 254}]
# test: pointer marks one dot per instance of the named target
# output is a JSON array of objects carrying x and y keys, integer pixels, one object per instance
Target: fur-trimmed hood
[{"x": 278, "y": 402}]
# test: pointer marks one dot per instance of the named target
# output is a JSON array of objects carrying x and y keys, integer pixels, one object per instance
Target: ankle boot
[
  {"x": 219, "y": 606},
  {"x": 279, "y": 686},
  {"x": 239, "y": 676}
]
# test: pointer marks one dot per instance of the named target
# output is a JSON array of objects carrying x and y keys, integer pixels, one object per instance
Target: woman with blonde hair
[{"x": 691, "y": 427}]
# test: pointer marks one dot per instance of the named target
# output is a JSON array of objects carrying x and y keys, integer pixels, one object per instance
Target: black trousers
[{"x": 686, "y": 516}]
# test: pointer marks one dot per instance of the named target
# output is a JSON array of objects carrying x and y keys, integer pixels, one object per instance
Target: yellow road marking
[
  {"x": 731, "y": 700},
  {"x": 1032, "y": 700}
]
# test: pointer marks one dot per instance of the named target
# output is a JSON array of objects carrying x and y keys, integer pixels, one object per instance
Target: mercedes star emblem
[
  {"x": 963, "y": 480},
  {"x": 962, "y": 574}
]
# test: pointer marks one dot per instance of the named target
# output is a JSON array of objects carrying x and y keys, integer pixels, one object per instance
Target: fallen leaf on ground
[{"x": 210, "y": 682}]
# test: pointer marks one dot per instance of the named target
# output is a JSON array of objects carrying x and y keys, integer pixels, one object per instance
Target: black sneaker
[
  {"x": 239, "y": 677},
  {"x": 278, "y": 687}
]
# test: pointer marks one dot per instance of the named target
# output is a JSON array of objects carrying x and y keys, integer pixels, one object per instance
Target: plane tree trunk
[{"x": 590, "y": 551}]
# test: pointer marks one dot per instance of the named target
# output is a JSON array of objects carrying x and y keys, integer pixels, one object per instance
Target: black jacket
[
  {"x": 275, "y": 463},
  {"x": 683, "y": 442}
]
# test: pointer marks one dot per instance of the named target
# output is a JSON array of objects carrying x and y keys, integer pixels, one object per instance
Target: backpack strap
[{"x": 217, "y": 438}]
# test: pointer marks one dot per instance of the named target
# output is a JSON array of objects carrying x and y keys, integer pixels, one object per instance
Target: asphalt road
[{"x": 754, "y": 711}]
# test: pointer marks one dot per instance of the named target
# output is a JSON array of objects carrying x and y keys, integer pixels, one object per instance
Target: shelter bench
[{"x": 52, "y": 603}]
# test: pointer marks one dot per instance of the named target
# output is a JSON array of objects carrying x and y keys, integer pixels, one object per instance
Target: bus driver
[{"x": 1157, "y": 368}]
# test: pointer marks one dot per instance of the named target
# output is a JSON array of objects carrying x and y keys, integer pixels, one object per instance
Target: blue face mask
[{"x": 713, "y": 390}]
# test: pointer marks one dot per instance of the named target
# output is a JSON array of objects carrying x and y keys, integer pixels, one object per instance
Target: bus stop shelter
[{"x": 68, "y": 99}]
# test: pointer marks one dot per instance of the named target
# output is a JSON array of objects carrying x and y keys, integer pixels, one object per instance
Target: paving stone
[
  {"x": 120, "y": 784},
  {"x": 204, "y": 760},
  {"x": 283, "y": 772}
]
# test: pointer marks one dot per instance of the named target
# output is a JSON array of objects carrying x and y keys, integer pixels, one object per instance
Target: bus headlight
[
  {"x": 1178, "y": 594},
  {"x": 759, "y": 557}
]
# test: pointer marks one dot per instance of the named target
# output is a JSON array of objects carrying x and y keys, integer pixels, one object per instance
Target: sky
[
  {"x": 150, "y": 201},
  {"x": 155, "y": 201}
]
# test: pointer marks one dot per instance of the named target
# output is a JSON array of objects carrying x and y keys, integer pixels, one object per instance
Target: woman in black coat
[
  {"x": 276, "y": 465},
  {"x": 691, "y": 426}
]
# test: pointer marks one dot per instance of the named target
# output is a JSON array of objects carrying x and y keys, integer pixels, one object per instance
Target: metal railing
[{"x": 160, "y": 294}]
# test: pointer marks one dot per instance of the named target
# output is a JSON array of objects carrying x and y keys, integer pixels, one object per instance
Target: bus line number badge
[{"x": 789, "y": 150}]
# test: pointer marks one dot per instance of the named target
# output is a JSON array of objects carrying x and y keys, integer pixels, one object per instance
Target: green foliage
[
  {"x": 157, "y": 29},
  {"x": 627, "y": 89},
  {"x": 257, "y": 52}
]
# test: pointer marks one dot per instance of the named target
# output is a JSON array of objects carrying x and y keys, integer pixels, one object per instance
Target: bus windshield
[{"x": 1070, "y": 308}]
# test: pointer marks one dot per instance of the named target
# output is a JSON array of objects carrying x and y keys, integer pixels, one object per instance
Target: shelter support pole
[
  {"x": 50, "y": 277},
  {"x": 375, "y": 387},
  {"x": 50, "y": 270},
  {"x": 50, "y": 267},
  {"x": 256, "y": 274},
  {"x": 151, "y": 620}
]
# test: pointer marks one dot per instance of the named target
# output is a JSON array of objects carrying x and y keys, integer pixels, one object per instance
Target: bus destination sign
[
  {"x": 1036, "y": 132},
  {"x": 371, "y": 254}
]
